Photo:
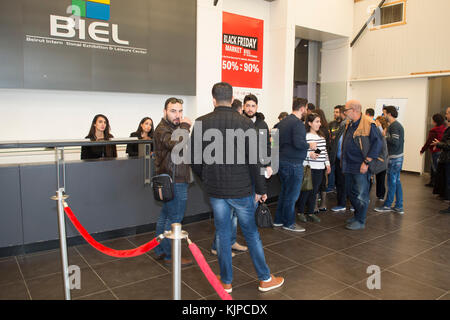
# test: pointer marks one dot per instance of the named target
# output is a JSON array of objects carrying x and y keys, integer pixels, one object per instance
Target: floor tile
[
  {"x": 14, "y": 291},
  {"x": 425, "y": 271},
  {"x": 341, "y": 267},
  {"x": 51, "y": 287},
  {"x": 299, "y": 250},
  {"x": 104, "y": 295},
  {"x": 9, "y": 271},
  {"x": 350, "y": 294},
  {"x": 397, "y": 287},
  {"x": 439, "y": 254},
  {"x": 423, "y": 232},
  {"x": 333, "y": 239},
  {"x": 404, "y": 244},
  {"x": 302, "y": 283},
  {"x": 159, "y": 288},
  {"x": 40, "y": 264},
  {"x": 376, "y": 255},
  {"x": 125, "y": 271}
]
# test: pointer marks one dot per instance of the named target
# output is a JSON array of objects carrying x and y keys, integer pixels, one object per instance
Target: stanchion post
[
  {"x": 60, "y": 196},
  {"x": 62, "y": 243},
  {"x": 176, "y": 234},
  {"x": 176, "y": 261}
]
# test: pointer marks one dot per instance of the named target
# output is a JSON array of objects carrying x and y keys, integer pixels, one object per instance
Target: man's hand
[
  {"x": 364, "y": 168},
  {"x": 186, "y": 120},
  {"x": 260, "y": 198},
  {"x": 269, "y": 172}
]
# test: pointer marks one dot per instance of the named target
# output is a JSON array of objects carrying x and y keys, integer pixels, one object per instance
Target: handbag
[
  {"x": 307, "y": 184},
  {"x": 162, "y": 185},
  {"x": 263, "y": 218}
]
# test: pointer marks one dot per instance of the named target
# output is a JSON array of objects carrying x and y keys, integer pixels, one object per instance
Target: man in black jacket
[
  {"x": 293, "y": 149},
  {"x": 251, "y": 111},
  {"x": 229, "y": 181}
]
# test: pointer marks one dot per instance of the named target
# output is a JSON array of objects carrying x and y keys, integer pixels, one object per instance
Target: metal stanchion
[
  {"x": 60, "y": 197},
  {"x": 176, "y": 234}
]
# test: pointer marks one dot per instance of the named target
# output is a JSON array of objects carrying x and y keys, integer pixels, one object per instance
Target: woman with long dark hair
[
  {"x": 319, "y": 163},
  {"x": 99, "y": 131},
  {"x": 144, "y": 131},
  {"x": 325, "y": 132}
]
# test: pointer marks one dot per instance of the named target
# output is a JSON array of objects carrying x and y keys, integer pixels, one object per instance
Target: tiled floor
[{"x": 325, "y": 262}]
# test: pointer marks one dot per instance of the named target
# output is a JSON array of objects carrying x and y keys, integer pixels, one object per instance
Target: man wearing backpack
[
  {"x": 361, "y": 148},
  {"x": 395, "y": 139}
]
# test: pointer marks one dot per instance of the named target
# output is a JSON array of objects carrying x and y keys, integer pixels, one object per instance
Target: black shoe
[
  {"x": 445, "y": 211},
  {"x": 159, "y": 256}
]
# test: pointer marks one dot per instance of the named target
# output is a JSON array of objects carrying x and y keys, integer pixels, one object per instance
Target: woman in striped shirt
[{"x": 318, "y": 161}]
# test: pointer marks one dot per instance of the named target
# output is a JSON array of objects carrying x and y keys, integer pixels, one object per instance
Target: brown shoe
[
  {"x": 227, "y": 287},
  {"x": 276, "y": 282},
  {"x": 184, "y": 262},
  {"x": 236, "y": 246}
]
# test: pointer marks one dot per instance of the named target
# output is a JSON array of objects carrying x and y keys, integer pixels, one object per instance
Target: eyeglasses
[{"x": 345, "y": 110}]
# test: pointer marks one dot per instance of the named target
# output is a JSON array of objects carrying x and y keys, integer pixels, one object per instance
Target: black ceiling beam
[{"x": 367, "y": 23}]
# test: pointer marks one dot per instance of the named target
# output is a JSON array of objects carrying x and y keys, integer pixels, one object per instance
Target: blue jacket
[
  {"x": 362, "y": 140},
  {"x": 292, "y": 139}
]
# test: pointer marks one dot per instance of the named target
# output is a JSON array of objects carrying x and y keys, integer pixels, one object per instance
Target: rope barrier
[
  {"x": 206, "y": 269},
  {"x": 210, "y": 276},
  {"x": 109, "y": 251}
]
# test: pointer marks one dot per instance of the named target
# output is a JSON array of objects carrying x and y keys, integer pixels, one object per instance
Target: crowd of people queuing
[{"x": 345, "y": 156}]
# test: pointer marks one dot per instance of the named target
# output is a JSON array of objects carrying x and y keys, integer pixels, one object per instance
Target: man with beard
[
  {"x": 172, "y": 211},
  {"x": 251, "y": 111}
]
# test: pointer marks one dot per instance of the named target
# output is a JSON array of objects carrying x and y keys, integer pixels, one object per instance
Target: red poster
[{"x": 242, "y": 51}]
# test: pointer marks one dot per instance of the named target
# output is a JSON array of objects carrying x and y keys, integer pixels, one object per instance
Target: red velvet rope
[
  {"x": 210, "y": 276},
  {"x": 108, "y": 251}
]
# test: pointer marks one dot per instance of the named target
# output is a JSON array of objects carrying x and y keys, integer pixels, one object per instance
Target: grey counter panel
[{"x": 104, "y": 195}]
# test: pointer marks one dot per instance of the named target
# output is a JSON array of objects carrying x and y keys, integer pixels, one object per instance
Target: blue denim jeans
[
  {"x": 291, "y": 176},
  {"x": 233, "y": 230},
  {"x": 245, "y": 211},
  {"x": 394, "y": 184},
  {"x": 357, "y": 189},
  {"x": 171, "y": 212}
]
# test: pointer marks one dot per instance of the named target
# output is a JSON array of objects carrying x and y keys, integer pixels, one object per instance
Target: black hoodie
[{"x": 260, "y": 124}]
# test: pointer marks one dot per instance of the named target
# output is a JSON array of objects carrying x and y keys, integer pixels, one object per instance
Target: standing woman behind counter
[
  {"x": 144, "y": 131},
  {"x": 99, "y": 131}
]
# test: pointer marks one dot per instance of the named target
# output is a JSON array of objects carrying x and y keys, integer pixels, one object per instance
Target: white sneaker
[
  {"x": 295, "y": 228},
  {"x": 214, "y": 252}
]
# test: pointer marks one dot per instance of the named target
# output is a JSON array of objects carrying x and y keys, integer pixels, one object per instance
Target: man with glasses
[{"x": 361, "y": 144}]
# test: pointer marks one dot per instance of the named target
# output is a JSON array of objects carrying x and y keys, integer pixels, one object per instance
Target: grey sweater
[{"x": 395, "y": 139}]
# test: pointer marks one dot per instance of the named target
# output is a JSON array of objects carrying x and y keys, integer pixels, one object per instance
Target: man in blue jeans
[
  {"x": 395, "y": 139},
  {"x": 172, "y": 211},
  {"x": 361, "y": 144},
  {"x": 293, "y": 148},
  {"x": 229, "y": 182}
]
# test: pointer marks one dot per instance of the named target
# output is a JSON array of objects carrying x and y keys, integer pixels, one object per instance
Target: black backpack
[{"x": 263, "y": 217}]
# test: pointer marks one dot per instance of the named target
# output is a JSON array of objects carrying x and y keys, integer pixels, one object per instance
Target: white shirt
[{"x": 322, "y": 160}]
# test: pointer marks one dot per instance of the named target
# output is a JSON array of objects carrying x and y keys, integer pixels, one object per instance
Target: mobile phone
[{"x": 318, "y": 151}]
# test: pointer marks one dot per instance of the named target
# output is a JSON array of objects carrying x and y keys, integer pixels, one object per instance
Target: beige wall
[
  {"x": 416, "y": 91},
  {"x": 420, "y": 45}
]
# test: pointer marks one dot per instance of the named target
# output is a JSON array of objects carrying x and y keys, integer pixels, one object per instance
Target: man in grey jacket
[{"x": 395, "y": 139}]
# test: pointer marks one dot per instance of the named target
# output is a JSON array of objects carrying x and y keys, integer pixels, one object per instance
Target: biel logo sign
[{"x": 67, "y": 27}]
